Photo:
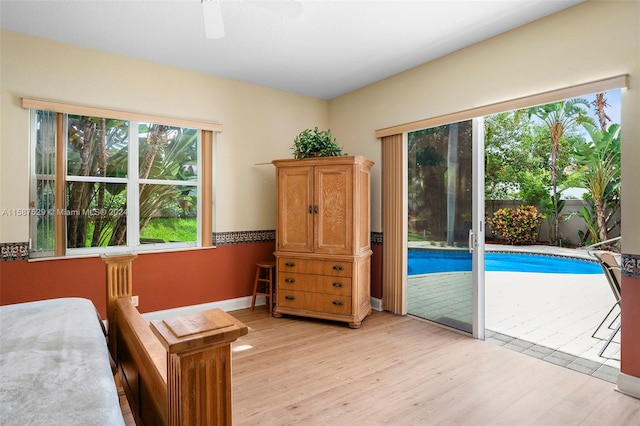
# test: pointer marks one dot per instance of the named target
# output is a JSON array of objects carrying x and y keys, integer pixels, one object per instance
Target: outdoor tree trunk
[
  {"x": 80, "y": 191},
  {"x": 557, "y": 131},
  {"x": 601, "y": 103}
]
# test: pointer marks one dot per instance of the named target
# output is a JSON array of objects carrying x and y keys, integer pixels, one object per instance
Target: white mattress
[{"x": 54, "y": 366}]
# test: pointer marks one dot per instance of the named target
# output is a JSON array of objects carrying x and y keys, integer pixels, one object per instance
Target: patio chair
[{"x": 612, "y": 273}]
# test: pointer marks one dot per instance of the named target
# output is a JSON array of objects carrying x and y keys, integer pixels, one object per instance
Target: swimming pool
[{"x": 432, "y": 261}]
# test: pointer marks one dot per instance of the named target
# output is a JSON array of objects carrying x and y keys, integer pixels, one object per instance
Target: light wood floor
[{"x": 403, "y": 371}]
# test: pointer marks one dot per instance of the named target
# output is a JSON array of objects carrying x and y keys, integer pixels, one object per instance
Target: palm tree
[
  {"x": 600, "y": 103},
  {"x": 559, "y": 117}
]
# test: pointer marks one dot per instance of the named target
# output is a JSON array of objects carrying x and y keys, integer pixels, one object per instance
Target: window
[{"x": 102, "y": 184}]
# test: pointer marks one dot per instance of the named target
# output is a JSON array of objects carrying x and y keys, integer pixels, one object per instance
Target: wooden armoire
[{"x": 323, "y": 234}]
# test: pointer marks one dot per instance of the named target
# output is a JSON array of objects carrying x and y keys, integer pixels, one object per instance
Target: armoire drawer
[
  {"x": 330, "y": 303},
  {"x": 315, "y": 267},
  {"x": 314, "y": 283}
]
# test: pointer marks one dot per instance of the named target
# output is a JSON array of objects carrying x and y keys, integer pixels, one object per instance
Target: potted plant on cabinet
[{"x": 315, "y": 143}]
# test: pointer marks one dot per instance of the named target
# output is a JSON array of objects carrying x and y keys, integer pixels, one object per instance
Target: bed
[{"x": 54, "y": 365}]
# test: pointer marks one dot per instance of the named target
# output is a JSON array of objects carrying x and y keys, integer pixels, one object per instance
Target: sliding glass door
[{"x": 445, "y": 225}]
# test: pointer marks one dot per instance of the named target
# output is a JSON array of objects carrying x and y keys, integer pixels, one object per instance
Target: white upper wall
[
  {"x": 259, "y": 123},
  {"x": 587, "y": 42}
]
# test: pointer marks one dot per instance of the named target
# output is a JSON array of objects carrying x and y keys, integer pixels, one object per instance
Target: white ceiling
[{"x": 330, "y": 48}]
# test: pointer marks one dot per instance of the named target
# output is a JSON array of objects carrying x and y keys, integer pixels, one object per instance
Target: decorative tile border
[
  {"x": 247, "y": 237},
  {"x": 630, "y": 266},
  {"x": 14, "y": 251},
  {"x": 243, "y": 237}
]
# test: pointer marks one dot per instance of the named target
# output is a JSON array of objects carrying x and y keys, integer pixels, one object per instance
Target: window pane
[
  {"x": 43, "y": 219},
  {"x": 45, "y": 161},
  {"x": 167, "y": 153},
  {"x": 168, "y": 214},
  {"x": 439, "y": 174},
  {"x": 96, "y": 214},
  {"x": 97, "y": 146}
]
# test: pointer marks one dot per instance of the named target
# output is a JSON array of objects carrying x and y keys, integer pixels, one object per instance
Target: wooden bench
[{"x": 175, "y": 371}]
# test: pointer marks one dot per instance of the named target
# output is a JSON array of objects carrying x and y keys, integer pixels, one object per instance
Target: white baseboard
[
  {"x": 225, "y": 305},
  {"x": 629, "y": 385}
]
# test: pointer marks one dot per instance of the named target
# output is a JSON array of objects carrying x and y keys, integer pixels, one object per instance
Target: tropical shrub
[{"x": 516, "y": 226}]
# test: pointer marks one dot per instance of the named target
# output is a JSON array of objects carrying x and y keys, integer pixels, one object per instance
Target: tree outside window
[{"x": 127, "y": 183}]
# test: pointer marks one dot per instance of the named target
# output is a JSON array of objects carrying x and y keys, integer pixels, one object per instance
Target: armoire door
[
  {"x": 295, "y": 207},
  {"x": 333, "y": 209}
]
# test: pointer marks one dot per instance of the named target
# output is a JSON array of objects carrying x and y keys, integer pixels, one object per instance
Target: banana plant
[{"x": 599, "y": 161}]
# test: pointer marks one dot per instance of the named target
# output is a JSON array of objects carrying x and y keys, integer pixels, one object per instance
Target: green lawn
[{"x": 171, "y": 229}]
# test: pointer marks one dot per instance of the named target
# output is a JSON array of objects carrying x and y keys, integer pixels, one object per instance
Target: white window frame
[{"x": 206, "y": 138}]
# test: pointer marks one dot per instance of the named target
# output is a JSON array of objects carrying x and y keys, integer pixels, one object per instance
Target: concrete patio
[
  {"x": 540, "y": 314},
  {"x": 549, "y": 316}
]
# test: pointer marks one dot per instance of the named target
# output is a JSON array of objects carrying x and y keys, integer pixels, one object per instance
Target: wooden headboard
[{"x": 175, "y": 371}]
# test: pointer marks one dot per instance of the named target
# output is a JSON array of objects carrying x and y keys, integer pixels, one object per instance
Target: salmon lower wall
[
  {"x": 161, "y": 280},
  {"x": 23, "y": 281},
  {"x": 630, "y": 328}
]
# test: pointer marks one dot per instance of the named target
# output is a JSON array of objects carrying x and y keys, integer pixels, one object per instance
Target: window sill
[{"x": 138, "y": 252}]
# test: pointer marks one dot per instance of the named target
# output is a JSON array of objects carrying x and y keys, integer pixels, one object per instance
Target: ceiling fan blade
[
  {"x": 288, "y": 8},
  {"x": 213, "y": 25}
]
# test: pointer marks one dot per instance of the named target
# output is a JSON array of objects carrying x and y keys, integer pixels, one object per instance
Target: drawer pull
[
  {"x": 338, "y": 285},
  {"x": 290, "y": 297},
  {"x": 310, "y": 209},
  {"x": 290, "y": 280},
  {"x": 289, "y": 264},
  {"x": 338, "y": 302},
  {"x": 338, "y": 267}
]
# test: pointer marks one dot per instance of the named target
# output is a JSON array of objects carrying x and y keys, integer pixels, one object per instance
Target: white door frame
[{"x": 478, "y": 229}]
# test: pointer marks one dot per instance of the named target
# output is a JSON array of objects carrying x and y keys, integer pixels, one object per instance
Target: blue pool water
[{"x": 431, "y": 261}]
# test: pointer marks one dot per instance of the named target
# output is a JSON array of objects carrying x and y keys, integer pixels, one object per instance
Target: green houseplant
[{"x": 315, "y": 143}]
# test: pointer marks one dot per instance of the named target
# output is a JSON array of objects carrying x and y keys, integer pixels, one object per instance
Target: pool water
[{"x": 431, "y": 261}]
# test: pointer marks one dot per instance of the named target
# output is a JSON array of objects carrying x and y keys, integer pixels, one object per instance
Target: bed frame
[{"x": 175, "y": 371}]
